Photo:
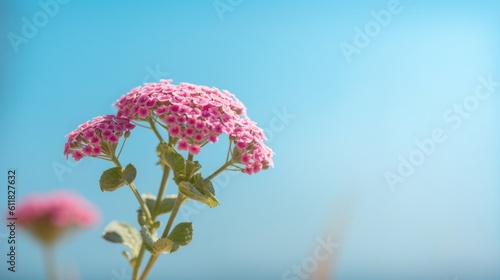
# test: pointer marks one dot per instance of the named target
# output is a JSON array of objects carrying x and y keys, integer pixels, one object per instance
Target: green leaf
[
  {"x": 166, "y": 206},
  {"x": 170, "y": 157},
  {"x": 150, "y": 200},
  {"x": 181, "y": 235},
  {"x": 116, "y": 177},
  {"x": 162, "y": 245},
  {"x": 129, "y": 173},
  {"x": 204, "y": 186},
  {"x": 125, "y": 234},
  {"x": 195, "y": 178},
  {"x": 200, "y": 190},
  {"x": 112, "y": 179},
  {"x": 192, "y": 167},
  {"x": 194, "y": 193}
]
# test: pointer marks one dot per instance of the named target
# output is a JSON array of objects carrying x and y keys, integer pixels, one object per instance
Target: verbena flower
[
  {"x": 196, "y": 115},
  {"x": 193, "y": 116},
  {"x": 98, "y": 137},
  {"x": 250, "y": 149},
  {"x": 50, "y": 216}
]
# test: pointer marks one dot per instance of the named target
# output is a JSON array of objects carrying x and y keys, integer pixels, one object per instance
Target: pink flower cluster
[
  {"x": 90, "y": 138},
  {"x": 194, "y": 114},
  {"x": 248, "y": 138},
  {"x": 59, "y": 209},
  {"x": 197, "y": 114}
]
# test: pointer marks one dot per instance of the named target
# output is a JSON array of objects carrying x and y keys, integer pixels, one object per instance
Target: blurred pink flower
[{"x": 50, "y": 216}]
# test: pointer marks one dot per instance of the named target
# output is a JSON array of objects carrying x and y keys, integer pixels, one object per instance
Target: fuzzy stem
[
  {"x": 161, "y": 192},
  {"x": 218, "y": 171},
  {"x": 156, "y": 210},
  {"x": 175, "y": 210},
  {"x": 50, "y": 261},
  {"x": 136, "y": 193},
  {"x": 138, "y": 262},
  {"x": 153, "y": 127},
  {"x": 153, "y": 258},
  {"x": 144, "y": 207}
]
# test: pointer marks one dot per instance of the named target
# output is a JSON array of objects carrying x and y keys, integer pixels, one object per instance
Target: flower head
[
  {"x": 98, "y": 137},
  {"x": 250, "y": 149},
  {"x": 195, "y": 115},
  {"x": 192, "y": 113},
  {"x": 50, "y": 216}
]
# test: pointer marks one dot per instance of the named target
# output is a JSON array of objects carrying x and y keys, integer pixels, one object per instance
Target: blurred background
[{"x": 343, "y": 90}]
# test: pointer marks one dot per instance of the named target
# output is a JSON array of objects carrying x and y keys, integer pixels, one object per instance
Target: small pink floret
[
  {"x": 194, "y": 149},
  {"x": 174, "y": 130},
  {"x": 183, "y": 145}
]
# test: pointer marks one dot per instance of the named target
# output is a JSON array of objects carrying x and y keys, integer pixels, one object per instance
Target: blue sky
[{"x": 350, "y": 119}]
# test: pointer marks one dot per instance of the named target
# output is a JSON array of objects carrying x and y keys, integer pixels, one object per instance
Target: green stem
[
  {"x": 121, "y": 148},
  {"x": 218, "y": 171},
  {"x": 138, "y": 262},
  {"x": 136, "y": 193},
  {"x": 161, "y": 192},
  {"x": 138, "y": 124},
  {"x": 149, "y": 266},
  {"x": 175, "y": 210},
  {"x": 156, "y": 210},
  {"x": 153, "y": 127},
  {"x": 153, "y": 258},
  {"x": 229, "y": 150},
  {"x": 116, "y": 161},
  {"x": 50, "y": 261},
  {"x": 141, "y": 202}
]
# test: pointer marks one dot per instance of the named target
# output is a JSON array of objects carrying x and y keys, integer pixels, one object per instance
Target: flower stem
[
  {"x": 138, "y": 124},
  {"x": 153, "y": 258},
  {"x": 138, "y": 261},
  {"x": 136, "y": 193},
  {"x": 141, "y": 202},
  {"x": 156, "y": 210},
  {"x": 116, "y": 161},
  {"x": 121, "y": 148},
  {"x": 153, "y": 127},
  {"x": 50, "y": 261},
  {"x": 218, "y": 171},
  {"x": 175, "y": 210},
  {"x": 149, "y": 266},
  {"x": 161, "y": 192},
  {"x": 229, "y": 151}
]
